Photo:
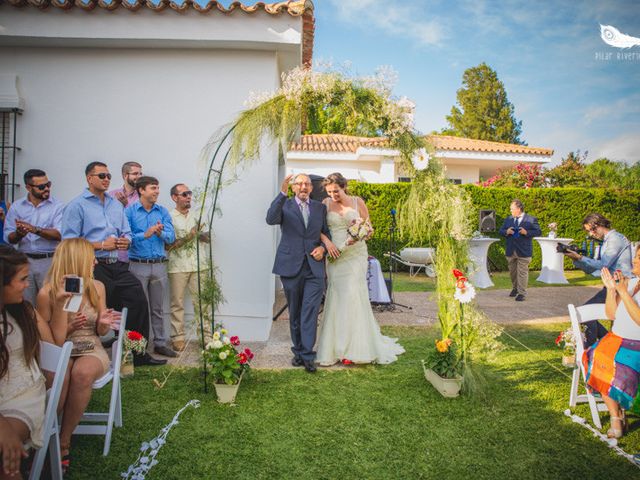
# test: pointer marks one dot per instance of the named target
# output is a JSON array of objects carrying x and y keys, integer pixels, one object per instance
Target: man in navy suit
[
  {"x": 519, "y": 230},
  {"x": 300, "y": 263}
]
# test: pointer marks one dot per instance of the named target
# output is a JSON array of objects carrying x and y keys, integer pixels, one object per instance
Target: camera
[
  {"x": 562, "y": 248},
  {"x": 73, "y": 284}
]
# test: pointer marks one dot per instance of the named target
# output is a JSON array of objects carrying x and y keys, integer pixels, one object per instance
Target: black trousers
[
  {"x": 124, "y": 290},
  {"x": 594, "y": 330}
]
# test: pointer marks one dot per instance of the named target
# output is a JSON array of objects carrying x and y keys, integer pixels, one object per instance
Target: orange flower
[{"x": 443, "y": 345}]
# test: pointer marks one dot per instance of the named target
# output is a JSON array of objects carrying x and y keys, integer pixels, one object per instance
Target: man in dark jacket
[{"x": 519, "y": 230}]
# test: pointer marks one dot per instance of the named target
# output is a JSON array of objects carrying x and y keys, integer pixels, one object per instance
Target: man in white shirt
[{"x": 183, "y": 265}]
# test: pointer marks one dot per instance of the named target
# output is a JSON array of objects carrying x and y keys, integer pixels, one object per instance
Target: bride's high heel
[{"x": 616, "y": 432}]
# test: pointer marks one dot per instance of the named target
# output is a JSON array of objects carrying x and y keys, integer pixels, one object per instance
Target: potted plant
[
  {"x": 567, "y": 341},
  {"x": 132, "y": 342},
  {"x": 442, "y": 368},
  {"x": 228, "y": 364}
]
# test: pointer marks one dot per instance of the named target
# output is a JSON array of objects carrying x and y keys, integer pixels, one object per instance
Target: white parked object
[
  {"x": 580, "y": 315},
  {"x": 552, "y": 261},
  {"x": 106, "y": 420},
  {"x": 478, "y": 251}
]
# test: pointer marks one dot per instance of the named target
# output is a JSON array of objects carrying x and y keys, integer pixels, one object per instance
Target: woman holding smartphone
[{"x": 72, "y": 266}]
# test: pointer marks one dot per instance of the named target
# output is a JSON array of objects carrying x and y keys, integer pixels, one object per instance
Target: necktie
[
  {"x": 517, "y": 222},
  {"x": 304, "y": 206}
]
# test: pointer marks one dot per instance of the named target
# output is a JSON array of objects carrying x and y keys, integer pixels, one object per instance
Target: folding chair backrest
[
  {"x": 116, "y": 349},
  {"x": 52, "y": 359},
  {"x": 585, "y": 313}
]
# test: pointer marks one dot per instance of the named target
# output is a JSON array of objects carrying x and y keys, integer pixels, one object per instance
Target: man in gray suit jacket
[{"x": 300, "y": 263}]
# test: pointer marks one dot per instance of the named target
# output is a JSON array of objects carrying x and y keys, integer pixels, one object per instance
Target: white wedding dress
[{"x": 348, "y": 329}]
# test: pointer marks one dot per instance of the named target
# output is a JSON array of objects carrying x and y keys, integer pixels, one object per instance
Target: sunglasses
[
  {"x": 101, "y": 176},
  {"x": 186, "y": 194},
  {"x": 42, "y": 186}
]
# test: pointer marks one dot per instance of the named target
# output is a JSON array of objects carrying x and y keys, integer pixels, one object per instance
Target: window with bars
[{"x": 8, "y": 152}]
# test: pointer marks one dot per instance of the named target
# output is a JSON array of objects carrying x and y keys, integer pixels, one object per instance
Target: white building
[
  {"x": 371, "y": 160},
  {"x": 119, "y": 81}
]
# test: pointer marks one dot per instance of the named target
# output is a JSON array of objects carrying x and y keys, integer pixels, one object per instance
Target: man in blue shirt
[
  {"x": 151, "y": 230},
  {"x": 99, "y": 218},
  {"x": 33, "y": 225},
  {"x": 615, "y": 253}
]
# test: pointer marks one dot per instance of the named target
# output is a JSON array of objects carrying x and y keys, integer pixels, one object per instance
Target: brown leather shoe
[{"x": 178, "y": 345}]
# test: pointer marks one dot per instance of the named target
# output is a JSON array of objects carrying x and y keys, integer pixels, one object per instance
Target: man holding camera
[
  {"x": 615, "y": 254},
  {"x": 519, "y": 230}
]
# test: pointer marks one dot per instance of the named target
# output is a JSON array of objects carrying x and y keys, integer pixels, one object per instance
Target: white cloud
[
  {"x": 608, "y": 112},
  {"x": 623, "y": 148},
  {"x": 392, "y": 18}
]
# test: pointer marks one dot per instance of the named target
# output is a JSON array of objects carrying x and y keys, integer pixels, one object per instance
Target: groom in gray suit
[{"x": 300, "y": 263}]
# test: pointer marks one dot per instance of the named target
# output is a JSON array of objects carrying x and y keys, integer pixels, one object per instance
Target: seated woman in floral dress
[
  {"x": 613, "y": 363},
  {"x": 22, "y": 385}
]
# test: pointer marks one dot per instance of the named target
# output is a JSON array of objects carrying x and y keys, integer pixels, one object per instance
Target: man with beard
[
  {"x": 183, "y": 265},
  {"x": 33, "y": 224},
  {"x": 131, "y": 172},
  {"x": 151, "y": 230}
]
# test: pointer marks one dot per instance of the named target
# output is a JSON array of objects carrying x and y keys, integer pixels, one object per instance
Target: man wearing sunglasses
[
  {"x": 183, "y": 265},
  {"x": 615, "y": 253},
  {"x": 33, "y": 225},
  {"x": 100, "y": 219}
]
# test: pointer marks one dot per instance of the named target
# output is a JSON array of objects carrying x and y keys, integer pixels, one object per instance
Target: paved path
[{"x": 543, "y": 305}]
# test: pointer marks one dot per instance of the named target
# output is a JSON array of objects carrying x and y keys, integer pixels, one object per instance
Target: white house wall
[
  {"x": 158, "y": 107},
  {"x": 465, "y": 173}
]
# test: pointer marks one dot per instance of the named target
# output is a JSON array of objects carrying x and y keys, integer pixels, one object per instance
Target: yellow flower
[{"x": 443, "y": 345}]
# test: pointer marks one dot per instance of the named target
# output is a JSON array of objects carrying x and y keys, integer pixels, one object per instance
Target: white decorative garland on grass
[
  {"x": 612, "y": 443},
  {"x": 148, "y": 450}
]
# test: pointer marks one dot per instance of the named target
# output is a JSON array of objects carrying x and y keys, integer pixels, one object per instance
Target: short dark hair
[
  {"x": 33, "y": 172},
  {"x": 596, "y": 220},
  {"x": 126, "y": 166},
  {"x": 518, "y": 203},
  {"x": 174, "y": 189},
  {"x": 93, "y": 165},
  {"x": 144, "y": 181}
]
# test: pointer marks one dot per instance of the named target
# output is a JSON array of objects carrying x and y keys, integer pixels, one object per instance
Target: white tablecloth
[{"x": 377, "y": 288}]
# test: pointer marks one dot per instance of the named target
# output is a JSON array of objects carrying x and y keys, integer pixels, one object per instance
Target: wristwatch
[{"x": 38, "y": 231}]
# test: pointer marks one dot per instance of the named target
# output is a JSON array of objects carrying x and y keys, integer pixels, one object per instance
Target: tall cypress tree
[{"x": 483, "y": 111}]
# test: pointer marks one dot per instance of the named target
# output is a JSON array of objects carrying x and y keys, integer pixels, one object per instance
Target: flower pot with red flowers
[
  {"x": 228, "y": 363},
  {"x": 132, "y": 342}
]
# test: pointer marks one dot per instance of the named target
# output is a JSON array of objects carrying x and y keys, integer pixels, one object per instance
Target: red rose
[
  {"x": 559, "y": 338},
  {"x": 248, "y": 353},
  {"x": 242, "y": 358},
  {"x": 134, "y": 336},
  {"x": 457, "y": 273},
  {"x": 235, "y": 340}
]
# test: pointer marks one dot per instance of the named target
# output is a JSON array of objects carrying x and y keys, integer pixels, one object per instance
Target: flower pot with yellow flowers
[{"x": 442, "y": 368}]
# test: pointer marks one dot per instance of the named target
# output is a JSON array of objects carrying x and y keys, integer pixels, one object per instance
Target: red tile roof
[
  {"x": 345, "y": 143},
  {"x": 295, "y": 8}
]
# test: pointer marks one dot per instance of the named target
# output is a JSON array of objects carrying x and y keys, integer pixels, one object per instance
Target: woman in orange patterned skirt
[{"x": 613, "y": 363}]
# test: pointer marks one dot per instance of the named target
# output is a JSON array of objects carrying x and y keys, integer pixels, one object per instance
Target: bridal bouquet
[
  {"x": 226, "y": 359},
  {"x": 360, "y": 229}
]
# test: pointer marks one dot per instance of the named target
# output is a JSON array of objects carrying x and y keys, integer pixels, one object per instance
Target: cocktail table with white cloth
[
  {"x": 552, "y": 261},
  {"x": 378, "y": 292},
  {"x": 478, "y": 250}
]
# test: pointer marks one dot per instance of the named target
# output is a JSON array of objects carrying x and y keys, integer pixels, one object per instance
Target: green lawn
[
  {"x": 381, "y": 422},
  {"x": 402, "y": 282}
]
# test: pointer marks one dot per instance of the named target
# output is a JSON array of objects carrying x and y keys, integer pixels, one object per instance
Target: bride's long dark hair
[{"x": 23, "y": 313}]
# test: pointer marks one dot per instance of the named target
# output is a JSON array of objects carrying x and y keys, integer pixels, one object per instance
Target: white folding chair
[
  {"x": 580, "y": 315},
  {"x": 52, "y": 359},
  {"x": 101, "y": 423}
]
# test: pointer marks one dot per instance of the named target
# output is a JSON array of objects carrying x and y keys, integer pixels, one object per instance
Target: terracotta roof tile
[
  {"x": 346, "y": 143},
  {"x": 295, "y": 8}
]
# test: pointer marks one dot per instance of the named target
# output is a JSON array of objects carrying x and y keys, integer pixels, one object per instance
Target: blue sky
[{"x": 543, "y": 51}]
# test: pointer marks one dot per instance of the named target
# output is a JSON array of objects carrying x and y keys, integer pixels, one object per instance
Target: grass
[
  {"x": 403, "y": 282},
  {"x": 372, "y": 422}
]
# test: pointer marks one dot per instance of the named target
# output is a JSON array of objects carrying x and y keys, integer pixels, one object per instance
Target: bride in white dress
[{"x": 349, "y": 332}]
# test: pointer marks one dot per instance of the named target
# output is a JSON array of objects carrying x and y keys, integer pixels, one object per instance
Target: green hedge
[{"x": 565, "y": 206}]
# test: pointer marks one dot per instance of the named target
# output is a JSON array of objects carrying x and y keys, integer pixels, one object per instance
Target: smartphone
[{"x": 73, "y": 284}]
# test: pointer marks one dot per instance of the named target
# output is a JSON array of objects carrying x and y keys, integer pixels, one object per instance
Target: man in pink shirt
[{"x": 128, "y": 194}]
